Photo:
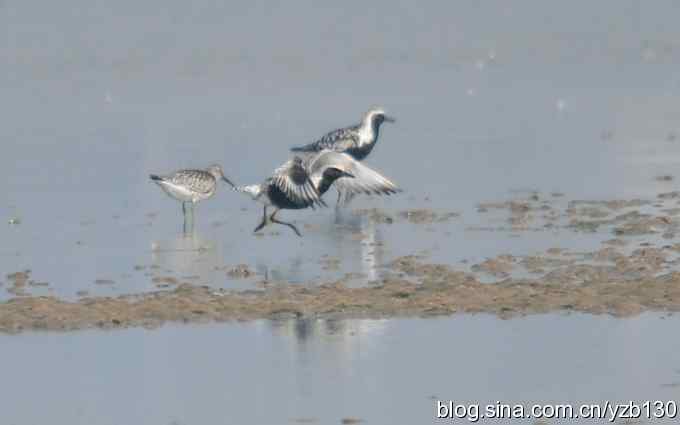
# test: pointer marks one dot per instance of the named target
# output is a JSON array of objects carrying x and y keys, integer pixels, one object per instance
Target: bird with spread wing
[{"x": 301, "y": 182}]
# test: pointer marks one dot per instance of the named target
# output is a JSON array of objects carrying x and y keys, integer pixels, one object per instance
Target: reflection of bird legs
[
  {"x": 272, "y": 218},
  {"x": 369, "y": 251},
  {"x": 344, "y": 198},
  {"x": 188, "y": 212}
]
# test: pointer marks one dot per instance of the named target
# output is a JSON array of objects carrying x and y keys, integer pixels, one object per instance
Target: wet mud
[
  {"x": 415, "y": 216},
  {"x": 616, "y": 284},
  {"x": 624, "y": 277}
]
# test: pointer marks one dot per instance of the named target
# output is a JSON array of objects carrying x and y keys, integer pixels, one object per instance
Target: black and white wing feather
[
  {"x": 339, "y": 140},
  {"x": 359, "y": 178},
  {"x": 292, "y": 182}
]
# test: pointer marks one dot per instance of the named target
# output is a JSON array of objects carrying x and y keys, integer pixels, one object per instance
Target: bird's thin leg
[
  {"x": 292, "y": 226},
  {"x": 263, "y": 222},
  {"x": 188, "y": 211},
  {"x": 185, "y": 228}
]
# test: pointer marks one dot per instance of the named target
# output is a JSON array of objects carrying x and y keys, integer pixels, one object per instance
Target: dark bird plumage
[
  {"x": 339, "y": 140},
  {"x": 356, "y": 141},
  {"x": 300, "y": 182}
]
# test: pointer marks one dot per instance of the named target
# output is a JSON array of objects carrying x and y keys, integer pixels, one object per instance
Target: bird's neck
[{"x": 368, "y": 132}]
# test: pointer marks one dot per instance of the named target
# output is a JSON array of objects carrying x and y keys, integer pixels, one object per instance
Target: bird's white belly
[{"x": 180, "y": 193}]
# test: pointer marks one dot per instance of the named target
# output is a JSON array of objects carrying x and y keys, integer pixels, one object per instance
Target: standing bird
[
  {"x": 299, "y": 183},
  {"x": 357, "y": 141},
  {"x": 190, "y": 187}
]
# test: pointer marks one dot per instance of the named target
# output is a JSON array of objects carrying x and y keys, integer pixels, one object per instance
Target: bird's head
[
  {"x": 217, "y": 172},
  {"x": 377, "y": 116},
  {"x": 253, "y": 190}
]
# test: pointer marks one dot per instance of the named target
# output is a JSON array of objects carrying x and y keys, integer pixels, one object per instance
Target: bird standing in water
[
  {"x": 300, "y": 183},
  {"x": 357, "y": 141},
  {"x": 190, "y": 187}
]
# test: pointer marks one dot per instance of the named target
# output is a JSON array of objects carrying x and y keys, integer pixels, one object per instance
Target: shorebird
[
  {"x": 300, "y": 182},
  {"x": 190, "y": 187},
  {"x": 357, "y": 141}
]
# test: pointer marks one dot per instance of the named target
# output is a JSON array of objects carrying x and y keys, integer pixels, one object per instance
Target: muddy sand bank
[
  {"x": 624, "y": 277},
  {"x": 417, "y": 288}
]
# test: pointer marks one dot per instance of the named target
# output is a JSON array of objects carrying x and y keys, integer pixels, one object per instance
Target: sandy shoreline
[
  {"x": 620, "y": 278},
  {"x": 417, "y": 289}
]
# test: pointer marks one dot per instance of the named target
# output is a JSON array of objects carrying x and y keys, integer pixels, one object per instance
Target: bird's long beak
[
  {"x": 228, "y": 181},
  {"x": 390, "y": 119}
]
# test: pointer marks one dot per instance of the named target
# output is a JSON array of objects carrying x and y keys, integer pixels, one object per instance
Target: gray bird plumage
[
  {"x": 339, "y": 140},
  {"x": 190, "y": 186},
  {"x": 300, "y": 183},
  {"x": 356, "y": 140},
  {"x": 364, "y": 179},
  {"x": 293, "y": 180}
]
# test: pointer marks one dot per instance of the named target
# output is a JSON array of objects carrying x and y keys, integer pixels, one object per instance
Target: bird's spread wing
[
  {"x": 194, "y": 180},
  {"x": 338, "y": 140},
  {"x": 293, "y": 181},
  {"x": 363, "y": 179}
]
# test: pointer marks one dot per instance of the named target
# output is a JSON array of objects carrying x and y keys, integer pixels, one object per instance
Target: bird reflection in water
[
  {"x": 293, "y": 273},
  {"x": 354, "y": 240},
  {"x": 188, "y": 255},
  {"x": 360, "y": 244},
  {"x": 342, "y": 338}
]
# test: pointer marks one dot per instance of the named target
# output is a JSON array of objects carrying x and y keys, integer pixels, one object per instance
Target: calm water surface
[
  {"x": 493, "y": 99},
  {"x": 489, "y": 98},
  {"x": 320, "y": 371}
]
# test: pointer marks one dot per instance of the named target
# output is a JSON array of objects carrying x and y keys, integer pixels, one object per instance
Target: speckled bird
[
  {"x": 300, "y": 183},
  {"x": 357, "y": 141},
  {"x": 191, "y": 186}
]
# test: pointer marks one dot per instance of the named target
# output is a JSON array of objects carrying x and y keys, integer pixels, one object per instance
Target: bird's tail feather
[{"x": 155, "y": 177}]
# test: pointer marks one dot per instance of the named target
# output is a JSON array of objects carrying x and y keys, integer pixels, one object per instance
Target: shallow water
[
  {"x": 489, "y": 98},
  {"x": 494, "y": 101},
  {"x": 321, "y": 371}
]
